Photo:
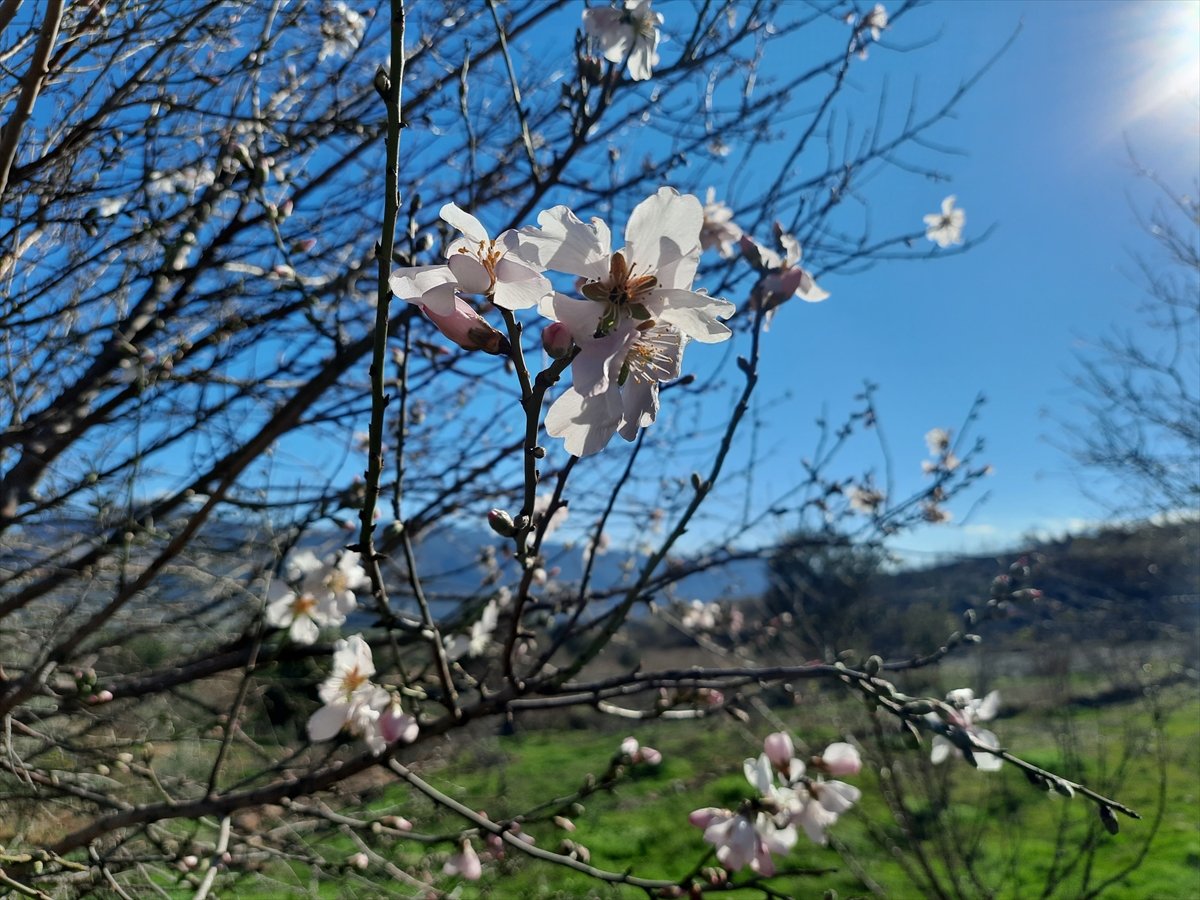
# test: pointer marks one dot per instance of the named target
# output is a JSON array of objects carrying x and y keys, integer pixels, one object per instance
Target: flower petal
[
  {"x": 696, "y": 315},
  {"x": 470, "y": 273},
  {"x": 565, "y": 244},
  {"x": 586, "y": 424},
  {"x": 662, "y": 230},
  {"x": 327, "y": 721},
  {"x": 518, "y": 286},
  {"x": 470, "y": 226},
  {"x": 411, "y": 283}
]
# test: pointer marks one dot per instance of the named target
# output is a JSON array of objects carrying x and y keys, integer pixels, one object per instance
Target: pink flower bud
[
  {"x": 468, "y": 329},
  {"x": 359, "y": 861},
  {"x": 189, "y": 862},
  {"x": 629, "y": 746},
  {"x": 465, "y": 863},
  {"x": 648, "y": 755},
  {"x": 395, "y": 724},
  {"x": 779, "y": 750},
  {"x": 102, "y": 697},
  {"x": 556, "y": 339},
  {"x": 501, "y": 523},
  {"x": 841, "y": 758}
]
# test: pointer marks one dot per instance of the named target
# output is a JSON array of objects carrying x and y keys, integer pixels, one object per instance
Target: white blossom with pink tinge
[
  {"x": 782, "y": 277},
  {"x": 475, "y": 264},
  {"x": 742, "y": 843},
  {"x": 626, "y": 32},
  {"x": 719, "y": 232},
  {"x": 963, "y": 712},
  {"x": 465, "y": 863},
  {"x": 649, "y": 279}
]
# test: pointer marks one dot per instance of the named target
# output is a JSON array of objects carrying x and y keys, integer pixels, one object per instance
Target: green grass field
[{"x": 1005, "y": 838}]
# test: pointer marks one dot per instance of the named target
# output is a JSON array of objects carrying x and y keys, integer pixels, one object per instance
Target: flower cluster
[
  {"x": 314, "y": 594},
  {"x": 627, "y": 330},
  {"x": 788, "y": 798},
  {"x": 355, "y": 704}
]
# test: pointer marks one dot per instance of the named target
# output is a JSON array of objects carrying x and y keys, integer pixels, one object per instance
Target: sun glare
[{"x": 1163, "y": 39}]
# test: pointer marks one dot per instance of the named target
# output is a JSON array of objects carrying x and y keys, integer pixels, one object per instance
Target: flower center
[
  {"x": 303, "y": 605},
  {"x": 488, "y": 254},
  {"x": 651, "y": 358},
  {"x": 352, "y": 681},
  {"x": 623, "y": 290}
]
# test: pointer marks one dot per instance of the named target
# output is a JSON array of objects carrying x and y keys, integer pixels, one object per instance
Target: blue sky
[{"x": 1044, "y": 137}]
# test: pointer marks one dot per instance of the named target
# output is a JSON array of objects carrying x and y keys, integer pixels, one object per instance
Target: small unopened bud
[
  {"x": 873, "y": 665},
  {"x": 556, "y": 340},
  {"x": 779, "y": 750},
  {"x": 1109, "y": 819},
  {"x": 501, "y": 523},
  {"x": 564, "y": 823}
]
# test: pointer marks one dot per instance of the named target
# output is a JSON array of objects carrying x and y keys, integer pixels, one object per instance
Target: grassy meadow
[{"x": 1006, "y": 838}]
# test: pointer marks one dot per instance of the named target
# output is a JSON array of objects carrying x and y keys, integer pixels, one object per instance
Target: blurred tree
[{"x": 1140, "y": 416}]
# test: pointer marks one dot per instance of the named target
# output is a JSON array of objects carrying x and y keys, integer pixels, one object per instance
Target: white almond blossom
[
  {"x": 814, "y": 804},
  {"x": 352, "y": 701},
  {"x": 476, "y": 642},
  {"x": 650, "y": 278},
  {"x": 314, "y": 595},
  {"x": 740, "y": 842},
  {"x": 873, "y": 23},
  {"x": 945, "y": 228},
  {"x": 626, "y": 368},
  {"x": 628, "y": 32},
  {"x": 475, "y": 264},
  {"x": 961, "y": 713},
  {"x": 637, "y": 312},
  {"x": 719, "y": 231},
  {"x": 342, "y": 29}
]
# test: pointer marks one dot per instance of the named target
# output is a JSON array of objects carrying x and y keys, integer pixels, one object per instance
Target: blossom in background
[
  {"x": 701, "y": 616},
  {"x": 541, "y": 503},
  {"x": 465, "y": 863},
  {"x": 475, "y": 643},
  {"x": 865, "y": 499},
  {"x": 719, "y": 231},
  {"x": 639, "y": 754},
  {"x": 781, "y": 276},
  {"x": 624, "y": 32},
  {"x": 937, "y": 440},
  {"x": 352, "y": 701},
  {"x": 475, "y": 264},
  {"x": 314, "y": 595},
  {"x": 342, "y": 29},
  {"x": 873, "y": 24},
  {"x": 945, "y": 228},
  {"x": 958, "y": 725},
  {"x": 876, "y": 21}
]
